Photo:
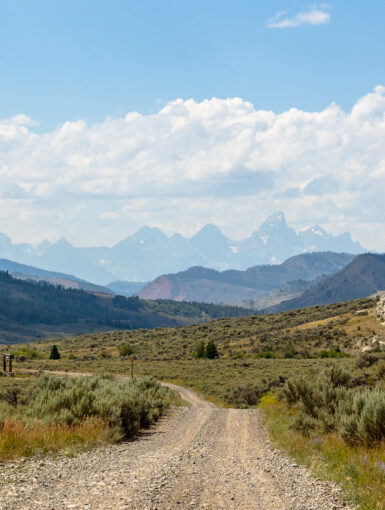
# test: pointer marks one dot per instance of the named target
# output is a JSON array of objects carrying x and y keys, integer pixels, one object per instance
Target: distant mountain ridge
[
  {"x": 361, "y": 278},
  {"x": 149, "y": 252},
  {"x": 23, "y": 272},
  {"x": 231, "y": 286}
]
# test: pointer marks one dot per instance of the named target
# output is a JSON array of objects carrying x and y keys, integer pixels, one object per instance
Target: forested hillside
[{"x": 34, "y": 310}]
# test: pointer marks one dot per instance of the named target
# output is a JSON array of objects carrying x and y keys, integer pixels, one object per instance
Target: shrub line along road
[{"x": 197, "y": 457}]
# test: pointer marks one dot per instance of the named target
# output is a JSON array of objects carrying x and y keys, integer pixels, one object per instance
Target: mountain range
[
  {"x": 231, "y": 286},
  {"x": 361, "y": 278},
  {"x": 148, "y": 253}
]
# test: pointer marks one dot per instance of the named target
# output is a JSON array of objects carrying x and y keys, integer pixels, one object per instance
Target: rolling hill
[
  {"x": 364, "y": 276},
  {"x": 32, "y": 310},
  {"x": 208, "y": 285}
]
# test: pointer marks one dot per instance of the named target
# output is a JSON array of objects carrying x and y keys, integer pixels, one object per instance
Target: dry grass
[
  {"x": 18, "y": 439},
  {"x": 359, "y": 470}
]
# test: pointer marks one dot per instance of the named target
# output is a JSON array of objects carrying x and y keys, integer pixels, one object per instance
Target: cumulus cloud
[
  {"x": 314, "y": 16},
  {"x": 218, "y": 160}
]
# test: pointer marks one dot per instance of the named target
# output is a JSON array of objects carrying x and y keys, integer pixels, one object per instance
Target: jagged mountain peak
[
  {"x": 62, "y": 242},
  {"x": 277, "y": 218},
  {"x": 145, "y": 235},
  {"x": 149, "y": 232},
  {"x": 317, "y": 230},
  {"x": 209, "y": 229}
]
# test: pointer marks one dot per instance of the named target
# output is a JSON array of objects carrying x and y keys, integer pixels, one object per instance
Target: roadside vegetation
[
  {"x": 335, "y": 424},
  {"x": 50, "y": 413}
]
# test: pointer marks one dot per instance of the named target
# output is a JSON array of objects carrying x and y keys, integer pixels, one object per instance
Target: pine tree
[
  {"x": 55, "y": 354},
  {"x": 211, "y": 350},
  {"x": 200, "y": 351}
]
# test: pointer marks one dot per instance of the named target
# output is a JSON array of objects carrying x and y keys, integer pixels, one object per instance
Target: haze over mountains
[
  {"x": 231, "y": 286},
  {"x": 361, "y": 278},
  {"x": 149, "y": 253}
]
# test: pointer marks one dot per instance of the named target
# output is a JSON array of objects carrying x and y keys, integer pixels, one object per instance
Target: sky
[{"x": 175, "y": 114}]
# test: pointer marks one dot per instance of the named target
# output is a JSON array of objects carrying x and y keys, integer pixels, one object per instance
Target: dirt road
[{"x": 200, "y": 457}]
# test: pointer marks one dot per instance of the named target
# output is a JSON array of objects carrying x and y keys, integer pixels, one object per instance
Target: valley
[{"x": 258, "y": 355}]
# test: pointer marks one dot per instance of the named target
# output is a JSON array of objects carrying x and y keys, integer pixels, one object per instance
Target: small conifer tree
[
  {"x": 211, "y": 350},
  {"x": 55, "y": 354},
  {"x": 200, "y": 351}
]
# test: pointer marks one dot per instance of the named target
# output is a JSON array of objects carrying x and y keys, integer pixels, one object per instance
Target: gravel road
[{"x": 198, "y": 457}]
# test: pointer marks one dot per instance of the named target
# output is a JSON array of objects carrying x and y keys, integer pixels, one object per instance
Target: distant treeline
[{"x": 193, "y": 309}]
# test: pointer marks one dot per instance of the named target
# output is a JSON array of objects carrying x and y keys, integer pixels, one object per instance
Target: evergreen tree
[
  {"x": 200, "y": 351},
  {"x": 55, "y": 354},
  {"x": 211, "y": 350}
]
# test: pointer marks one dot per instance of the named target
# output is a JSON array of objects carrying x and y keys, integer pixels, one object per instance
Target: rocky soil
[{"x": 200, "y": 457}]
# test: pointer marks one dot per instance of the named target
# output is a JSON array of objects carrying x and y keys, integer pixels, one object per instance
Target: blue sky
[
  {"x": 243, "y": 109},
  {"x": 66, "y": 60}
]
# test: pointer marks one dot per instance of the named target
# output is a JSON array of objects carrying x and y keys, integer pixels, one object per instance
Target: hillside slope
[
  {"x": 24, "y": 272},
  {"x": 364, "y": 276},
  {"x": 209, "y": 285}
]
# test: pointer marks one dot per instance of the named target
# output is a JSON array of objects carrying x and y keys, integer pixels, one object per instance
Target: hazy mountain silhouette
[
  {"x": 364, "y": 276},
  {"x": 211, "y": 286},
  {"x": 149, "y": 252}
]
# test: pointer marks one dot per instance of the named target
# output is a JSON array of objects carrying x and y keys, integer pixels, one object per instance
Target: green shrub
[
  {"x": 125, "y": 350},
  {"x": 319, "y": 397},
  {"x": 266, "y": 355},
  {"x": 244, "y": 396},
  {"x": 362, "y": 417},
  {"x": 333, "y": 353},
  {"x": 26, "y": 353},
  {"x": 124, "y": 405},
  {"x": 326, "y": 403}
]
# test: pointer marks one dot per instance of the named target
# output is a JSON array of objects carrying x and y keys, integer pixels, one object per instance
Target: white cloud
[
  {"x": 314, "y": 16},
  {"x": 219, "y": 160}
]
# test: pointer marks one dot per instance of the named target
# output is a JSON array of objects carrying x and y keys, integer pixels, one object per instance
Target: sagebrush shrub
[
  {"x": 124, "y": 405},
  {"x": 326, "y": 403},
  {"x": 362, "y": 416},
  {"x": 245, "y": 396}
]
